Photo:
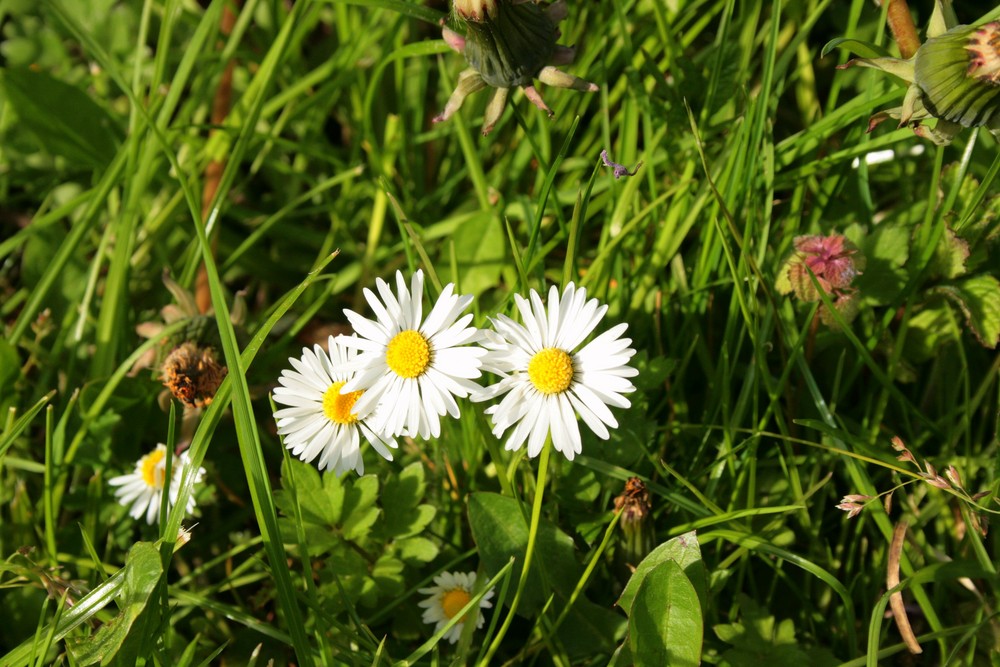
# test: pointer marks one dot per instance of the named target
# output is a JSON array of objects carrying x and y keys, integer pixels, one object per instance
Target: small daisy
[
  {"x": 143, "y": 488},
  {"x": 412, "y": 366},
  {"x": 452, "y": 592},
  {"x": 322, "y": 418},
  {"x": 547, "y": 381}
]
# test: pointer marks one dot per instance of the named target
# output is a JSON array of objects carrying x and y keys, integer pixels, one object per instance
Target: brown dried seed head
[{"x": 193, "y": 375}]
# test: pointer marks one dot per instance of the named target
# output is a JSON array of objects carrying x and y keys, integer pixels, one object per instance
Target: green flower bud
[
  {"x": 954, "y": 78},
  {"x": 958, "y": 74},
  {"x": 508, "y": 44}
]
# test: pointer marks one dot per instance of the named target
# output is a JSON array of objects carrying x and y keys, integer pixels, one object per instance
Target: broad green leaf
[
  {"x": 124, "y": 638},
  {"x": 416, "y": 550},
  {"x": 62, "y": 117},
  {"x": 683, "y": 550},
  {"x": 481, "y": 251},
  {"x": 500, "y": 532},
  {"x": 665, "y": 623},
  {"x": 589, "y": 629}
]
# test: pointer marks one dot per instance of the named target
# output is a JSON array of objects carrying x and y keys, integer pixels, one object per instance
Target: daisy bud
[
  {"x": 509, "y": 43},
  {"x": 958, "y": 74},
  {"x": 954, "y": 79},
  {"x": 636, "y": 522}
]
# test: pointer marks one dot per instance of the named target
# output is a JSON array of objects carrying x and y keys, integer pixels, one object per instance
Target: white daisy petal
[
  {"x": 446, "y": 599},
  {"x": 546, "y": 383},
  {"x": 316, "y": 426},
  {"x": 415, "y": 373},
  {"x": 142, "y": 489}
]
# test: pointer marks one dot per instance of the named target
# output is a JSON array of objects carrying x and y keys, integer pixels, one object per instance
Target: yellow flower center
[
  {"x": 453, "y": 601},
  {"x": 551, "y": 371},
  {"x": 408, "y": 354},
  {"x": 337, "y": 406},
  {"x": 152, "y": 473}
]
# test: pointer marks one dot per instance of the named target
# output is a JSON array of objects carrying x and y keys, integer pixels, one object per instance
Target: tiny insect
[{"x": 620, "y": 169}]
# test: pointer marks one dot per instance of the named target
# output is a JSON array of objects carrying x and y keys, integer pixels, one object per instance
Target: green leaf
[
  {"x": 404, "y": 516},
  {"x": 928, "y": 330},
  {"x": 416, "y": 550},
  {"x": 683, "y": 550},
  {"x": 481, "y": 249},
  {"x": 64, "y": 119},
  {"x": 886, "y": 250},
  {"x": 665, "y": 624},
  {"x": 501, "y": 532},
  {"x": 360, "y": 510},
  {"x": 124, "y": 638},
  {"x": 10, "y": 367},
  {"x": 757, "y": 640},
  {"x": 862, "y": 48},
  {"x": 979, "y": 300},
  {"x": 950, "y": 256}
]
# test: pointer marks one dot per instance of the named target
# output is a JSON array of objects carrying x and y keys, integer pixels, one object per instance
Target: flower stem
[{"x": 536, "y": 513}]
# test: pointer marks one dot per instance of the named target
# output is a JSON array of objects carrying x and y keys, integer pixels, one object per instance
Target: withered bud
[
  {"x": 193, "y": 375},
  {"x": 636, "y": 522}
]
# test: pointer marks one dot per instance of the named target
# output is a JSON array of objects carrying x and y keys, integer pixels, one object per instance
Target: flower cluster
[
  {"x": 951, "y": 481},
  {"x": 401, "y": 373}
]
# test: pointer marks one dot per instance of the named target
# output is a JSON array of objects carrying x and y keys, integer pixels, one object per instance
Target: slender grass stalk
[{"x": 536, "y": 513}]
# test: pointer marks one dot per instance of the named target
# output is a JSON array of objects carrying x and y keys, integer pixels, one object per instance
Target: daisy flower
[
  {"x": 144, "y": 487},
  {"x": 451, "y": 592},
  {"x": 323, "y": 418},
  {"x": 546, "y": 381},
  {"x": 413, "y": 366}
]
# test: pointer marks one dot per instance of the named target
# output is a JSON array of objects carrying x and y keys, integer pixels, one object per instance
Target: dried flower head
[
  {"x": 508, "y": 44},
  {"x": 192, "y": 374},
  {"x": 636, "y": 522}
]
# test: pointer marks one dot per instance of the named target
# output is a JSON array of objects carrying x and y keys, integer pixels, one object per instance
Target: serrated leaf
[
  {"x": 360, "y": 511},
  {"x": 665, "y": 624},
  {"x": 123, "y": 639},
  {"x": 64, "y": 119},
  {"x": 950, "y": 256},
  {"x": 304, "y": 481},
  {"x": 979, "y": 300},
  {"x": 416, "y": 550},
  {"x": 928, "y": 330},
  {"x": 500, "y": 532},
  {"x": 684, "y": 550},
  {"x": 404, "y": 516}
]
